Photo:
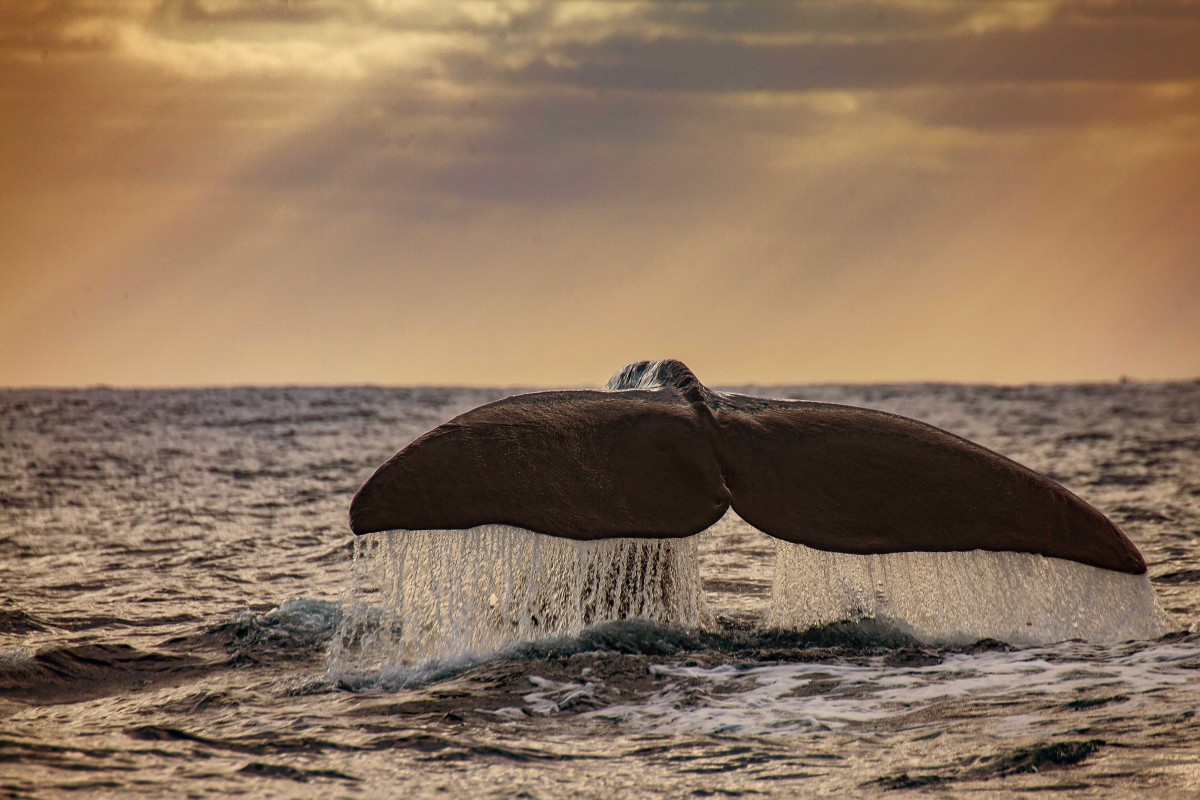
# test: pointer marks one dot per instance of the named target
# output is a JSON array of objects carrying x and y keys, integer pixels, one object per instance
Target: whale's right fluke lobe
[{"x": 855, "y": 480}]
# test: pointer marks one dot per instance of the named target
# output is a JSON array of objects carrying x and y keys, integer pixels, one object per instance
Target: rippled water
[{"x": 174, "y": 566}]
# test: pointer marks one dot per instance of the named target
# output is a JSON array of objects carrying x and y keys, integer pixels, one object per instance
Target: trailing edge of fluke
[{"x": 659, "y": 455}]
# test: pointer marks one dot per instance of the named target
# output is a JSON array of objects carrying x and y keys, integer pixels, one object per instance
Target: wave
[
  {"x": 729, "y": 641},
  {"x": 299, "y": 628},
  {"x": 68, "y": 672},
  {"x": 18, "y": 621}
]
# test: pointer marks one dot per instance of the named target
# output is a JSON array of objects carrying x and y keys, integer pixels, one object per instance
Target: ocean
[{"x": 184, "y": 613}]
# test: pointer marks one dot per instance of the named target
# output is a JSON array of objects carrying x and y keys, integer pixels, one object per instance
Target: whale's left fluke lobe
[
  {"x": 577, "y": 464},
  {"x": 659, "y": 455}
]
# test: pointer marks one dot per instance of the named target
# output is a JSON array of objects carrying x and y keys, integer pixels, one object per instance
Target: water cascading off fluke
[{"x": 425, "y": 596}]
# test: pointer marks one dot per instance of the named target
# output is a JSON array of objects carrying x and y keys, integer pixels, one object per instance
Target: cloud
[
  {"x": 697, "y": 47},
  {"x": 1061, "y": 52},
  {"x": 1066, "y": 106},
  {"x": 269, "y": 11},
  {"x": 36, "y": 30},
  {"x": 1187, "y": 11},
  {"x": 843, "y": 19}
]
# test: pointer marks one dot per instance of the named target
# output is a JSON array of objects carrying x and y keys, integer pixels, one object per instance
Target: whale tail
[{"x": 658, "y": 455}]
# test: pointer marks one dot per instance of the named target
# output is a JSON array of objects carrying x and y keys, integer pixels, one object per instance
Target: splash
[
  {"x": 962, "y": 597},
  {"x": 434, "y": 596},
  {"x": 1036, "y": 686}
]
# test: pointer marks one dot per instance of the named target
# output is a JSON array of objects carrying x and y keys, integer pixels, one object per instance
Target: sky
[{"x": 213, "y": 192}]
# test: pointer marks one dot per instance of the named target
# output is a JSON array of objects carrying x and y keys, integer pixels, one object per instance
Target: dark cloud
[
  {"x": 637, "y": 120},
  {"x": 47, "y": 41},
  {"x": 1009, "y": 107},
  {"x": 420, "y": 152},
  {"x": 1133, "y": 52},
  {"x": 839, "y": 17},
  {"x": 199, "y": 11},
  {"x": 50, "y": 29},
  {"x": 1128, "y": 10},
  {"x": 192, "y": 18}
]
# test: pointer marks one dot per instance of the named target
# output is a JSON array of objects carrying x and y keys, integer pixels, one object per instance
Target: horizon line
[{"x": 535, "y": 387}]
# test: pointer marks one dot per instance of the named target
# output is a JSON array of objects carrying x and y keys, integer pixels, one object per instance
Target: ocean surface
[{"x": 183, "y": 614}]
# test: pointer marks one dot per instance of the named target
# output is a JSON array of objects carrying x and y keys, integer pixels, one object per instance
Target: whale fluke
[
  {"x": 576, "y": 464},
  {"x": 659, "y": 455},
  {"x": 853, "y": 480}
]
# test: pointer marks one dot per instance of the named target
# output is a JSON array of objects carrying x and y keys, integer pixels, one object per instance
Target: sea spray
[
  {"x": 957, "y": 597},
  {"x": 418, "y": 597}
]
